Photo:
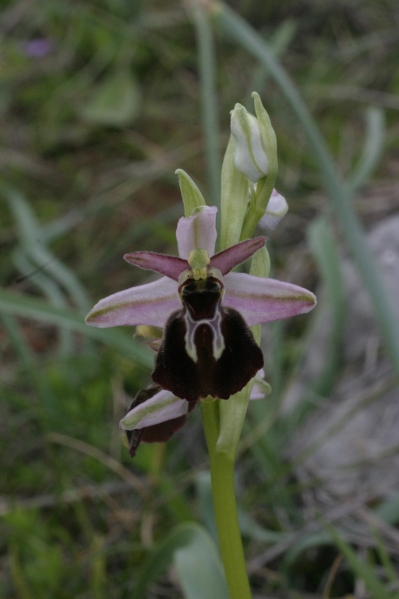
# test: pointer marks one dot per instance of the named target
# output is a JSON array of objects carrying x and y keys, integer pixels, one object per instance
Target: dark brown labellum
[{"x": 206, "y": 349}]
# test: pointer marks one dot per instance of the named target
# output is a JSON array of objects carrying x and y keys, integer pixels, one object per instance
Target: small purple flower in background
[{"x": 37, "y": 48}]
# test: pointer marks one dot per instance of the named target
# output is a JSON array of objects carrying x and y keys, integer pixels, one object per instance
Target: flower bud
[
  {"x": 255, "y": 157},
  {"x": 250, "y": 156},
  {"x": 276, "y": 209}
]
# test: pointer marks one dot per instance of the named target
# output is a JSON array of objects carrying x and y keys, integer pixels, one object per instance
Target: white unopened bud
[
  {"x": 276, "y": 209},
  {"x": 250, "y": 157}
]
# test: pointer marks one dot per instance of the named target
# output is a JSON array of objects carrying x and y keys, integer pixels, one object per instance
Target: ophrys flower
[
  {"x": 207, "y": 348},
  {"x": 155, "y": 415}
]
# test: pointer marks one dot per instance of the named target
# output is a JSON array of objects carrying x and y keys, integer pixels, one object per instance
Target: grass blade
[
  {"x": 323, "y": 247},
  {"x": 361, "y": 569},
  {"x": 21, "y": 305},
  {"x": 29, "y": 232},
  {"x": 207, "y": 68},
  {"x": 373, "y": 146}
]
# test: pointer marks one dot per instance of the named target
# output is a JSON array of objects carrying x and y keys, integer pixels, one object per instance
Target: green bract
[
  {"x": 234, "y": 199},
  {"x": 191, "y": 195}
]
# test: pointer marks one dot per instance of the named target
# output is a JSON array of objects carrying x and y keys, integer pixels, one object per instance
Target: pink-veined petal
[
  {"x": 263, "y": 300},
  {"x": 161, "y": 407},
  {"x": 225, "y": 261},
  {"x": 149, "y": 304},
  {"x": 197, "y": 231},
  {"x": 170, "y": 266}
]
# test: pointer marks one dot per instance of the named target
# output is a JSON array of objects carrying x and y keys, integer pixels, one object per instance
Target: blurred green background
[{"x": 100, "y": 102}]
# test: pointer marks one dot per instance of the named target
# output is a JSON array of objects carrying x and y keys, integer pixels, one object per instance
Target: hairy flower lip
[{"x": 164, "y": 406}]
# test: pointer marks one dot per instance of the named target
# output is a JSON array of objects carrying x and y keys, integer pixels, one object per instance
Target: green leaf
[
  {"x": 196, "y": 559},
  {"x": 199, "y": 568},
  {"x": 324, "y": 249},
  {"x": 115, "y": 101},
  {"x": 362, "y": 570}
]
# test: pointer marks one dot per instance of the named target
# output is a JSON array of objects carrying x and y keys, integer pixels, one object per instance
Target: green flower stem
[
  {"x": 258, "y": 203},
  {"x": 252, "y": 219},
  {"x": 225, "y": 507}
]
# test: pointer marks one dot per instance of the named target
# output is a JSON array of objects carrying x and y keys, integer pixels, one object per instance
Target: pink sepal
[
  {"x": 149, "y": 304},
  {"x": 263, "y": 300}
]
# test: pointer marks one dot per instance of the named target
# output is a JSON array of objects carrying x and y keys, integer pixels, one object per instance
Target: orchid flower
[
  {"x": 155, "y": 414},
  {"x": 207, "y": 348}
]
